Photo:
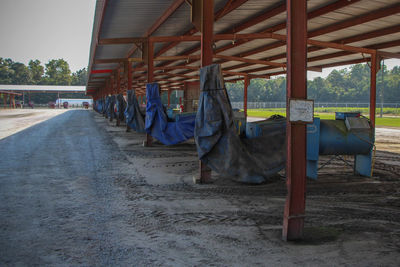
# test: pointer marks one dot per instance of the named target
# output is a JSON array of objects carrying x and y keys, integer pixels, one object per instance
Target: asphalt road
[{"x": 58, "y": 205}]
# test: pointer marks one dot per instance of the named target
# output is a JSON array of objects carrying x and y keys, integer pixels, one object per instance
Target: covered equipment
[
  {"x": 218, "y": 142},
  {"x": 134, "y": 117},
  {"x": 121, "y": 106},
  {"x": 157, "y": 124}
]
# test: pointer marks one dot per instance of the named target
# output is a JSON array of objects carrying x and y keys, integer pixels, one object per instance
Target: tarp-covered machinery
[
  {"x": 348, "y": 134},
  {"x": 135, "y": 118},
  {"x": 218, "y": 141},
  {"x": 157, "y": 124}
]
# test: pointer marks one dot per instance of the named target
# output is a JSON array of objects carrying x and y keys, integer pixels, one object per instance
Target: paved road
[{"x": 57, "y": 197}]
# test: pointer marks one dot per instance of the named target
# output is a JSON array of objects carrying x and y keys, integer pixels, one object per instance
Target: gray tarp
[
  {"x": 134, "y": 117},
  {"x": 110, "y": 107},
  {"x": 121, "y": 106},
  {"x": 220, "y": 147}
]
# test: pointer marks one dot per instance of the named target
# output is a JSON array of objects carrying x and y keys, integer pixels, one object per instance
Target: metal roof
[
  {"x": 372, "y": 24},
  {"x": 43, "y": 88}
]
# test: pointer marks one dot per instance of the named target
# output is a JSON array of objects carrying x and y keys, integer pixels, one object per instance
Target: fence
[{"x": 257, "y": 105}]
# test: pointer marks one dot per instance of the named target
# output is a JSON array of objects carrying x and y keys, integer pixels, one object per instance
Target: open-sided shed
[{"x": 167, "y": 41}]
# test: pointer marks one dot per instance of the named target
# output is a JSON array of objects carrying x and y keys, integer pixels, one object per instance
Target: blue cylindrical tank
[{"x": 335, "y": 139}]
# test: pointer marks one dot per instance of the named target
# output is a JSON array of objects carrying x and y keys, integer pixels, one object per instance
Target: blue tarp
[
  {"x": 221, "y": 148},
  {"x": 157, "y": 125},
  {"x": 134, "y": 118},
  {"x": 99, "y": 105}
]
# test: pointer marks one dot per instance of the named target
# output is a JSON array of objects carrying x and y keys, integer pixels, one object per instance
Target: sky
[
  {"x": 47, "y": 29},
  {"x": 53, "y": 29}
]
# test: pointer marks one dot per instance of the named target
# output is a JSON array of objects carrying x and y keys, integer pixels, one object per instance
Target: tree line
[
  {"x": 349, "y": 85},
  {"x": 54, "y": 72}
]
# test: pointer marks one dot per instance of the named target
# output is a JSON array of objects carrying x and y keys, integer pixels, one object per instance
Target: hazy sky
[
  {"x": 52, "y": 29},
  {"x": 47, "y": 29}
]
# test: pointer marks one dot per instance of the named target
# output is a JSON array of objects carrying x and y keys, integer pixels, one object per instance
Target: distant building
[{"x": 73, "y": 102}]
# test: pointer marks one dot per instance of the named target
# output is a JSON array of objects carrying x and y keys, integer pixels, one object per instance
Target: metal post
[
  {"x": 372, "y": 96},
  {"x": 294, "y": 213},
  {"x": 111, "y": 92},
  {"x": 383, "y": 85},
  {"x": 129, "y": 86},
  {"x": 246, "y": 85},
  {"x": 169, "y": 97},
  {"x": 206, "y": 59},
  {"x": 150, "y": 79},
  {"x": 118, "y": 88}
]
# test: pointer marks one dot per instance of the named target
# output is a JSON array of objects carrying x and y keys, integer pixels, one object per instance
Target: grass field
[{"x": 327, "y": 115}]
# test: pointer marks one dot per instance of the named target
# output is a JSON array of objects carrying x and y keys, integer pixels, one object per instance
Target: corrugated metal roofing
[
  {"x": 329, "y": 21},
  {"x": 42, "y": 88}
]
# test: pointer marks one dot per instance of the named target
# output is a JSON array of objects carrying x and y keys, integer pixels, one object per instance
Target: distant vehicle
[
  {"x": 85, "y": 105},
  {"x": 31, "y": 104},
  {"x": 65, "y": 104},
  {"x": 19, "y": 104},
  {"x": 52, "y": 104}
]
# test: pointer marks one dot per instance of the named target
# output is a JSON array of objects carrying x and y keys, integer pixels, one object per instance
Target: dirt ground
[
  {"x": 15, "y": 120},
  {"x": 77, "y": 190}
]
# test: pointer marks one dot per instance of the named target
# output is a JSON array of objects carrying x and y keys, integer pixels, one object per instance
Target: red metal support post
[
  {"x": 112, "y": 82},
  {"x": 207, "y": 33},
  {"x": 150, "y": 79},
  {"x": 294, "y": 213},
  {"x": 372, "y": 96},
  {"x": 246, "y": 85},
  {"x": 129, "y": 85},
  {"x": 169, "y": 97},
  {"x": 118, "y": 89}
]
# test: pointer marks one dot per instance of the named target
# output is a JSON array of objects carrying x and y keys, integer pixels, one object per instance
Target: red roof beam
[
  {"x": 376, "y": 14},
  {"x": 172, "y": 8},
  {"x": 312, "y": 14},
  {"x": 101, "y": 71},
  {"x": 348, "y": 40},
  {"x": 356, "y": 38},
  {"x": 337, "y": 54},
  {"x": 218, "y": 15}
]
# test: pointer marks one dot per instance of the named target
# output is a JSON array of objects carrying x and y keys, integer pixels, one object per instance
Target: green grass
[{"x": 265, "y": 113}]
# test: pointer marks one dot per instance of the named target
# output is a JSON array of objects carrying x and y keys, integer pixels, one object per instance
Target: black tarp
[
  {"x": 121, "y": 106},
  {"x": 106, "y": 104},
  {"x": 110, "y": 107},
  {"x": 133, "y": 115},
  {"x": 218, "y": 143}
]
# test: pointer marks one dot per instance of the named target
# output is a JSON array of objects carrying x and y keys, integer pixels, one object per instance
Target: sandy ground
[
  {"x": 77, "y": 190},
  {"x": 15, "y": 120}
]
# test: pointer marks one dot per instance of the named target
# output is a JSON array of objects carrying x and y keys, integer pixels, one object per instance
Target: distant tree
[
  {"x": 57, "y": 72},
  {"x": 80, "y": 77},
  {"x": 6, "y": 72},
  {"x": 36, "y": 70},
  {"x": 21, "y": 74}
]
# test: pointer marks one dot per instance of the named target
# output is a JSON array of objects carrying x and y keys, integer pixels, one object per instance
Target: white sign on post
[{"x": 301, "y": 110}]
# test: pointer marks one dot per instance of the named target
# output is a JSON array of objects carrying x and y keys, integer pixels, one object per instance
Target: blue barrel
[{"x": 335, "y": 139}]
